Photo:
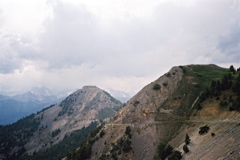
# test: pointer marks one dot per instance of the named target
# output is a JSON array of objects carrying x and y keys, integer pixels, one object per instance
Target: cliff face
[{"x": 168, "y": 108}]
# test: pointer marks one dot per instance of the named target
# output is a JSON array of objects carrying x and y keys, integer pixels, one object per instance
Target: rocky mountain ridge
[
  {"x": 139, "y": 113},
  {"x": 171, "y": 107},
  {"x": 78, "y": 110},
  {"x": 52, "y": 124}
]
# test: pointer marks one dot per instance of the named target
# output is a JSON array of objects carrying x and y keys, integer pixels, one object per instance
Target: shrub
[
  {"x": 165, "y": 84},
  {"x": 168, "y": 150},
  {"x": 230, "y": 99},
  {"x": 102, "y": 133},
  {"x": 231, "y": 108},
  {"x": 128, "y": 131},
  {"x": 55, "y": 132},
  {"x": 164, "y": 150},
  {"x": 126, "y": 146},
  {"x": 203, "y": 129},
  {"x": 187, "y": 139},
  {"x": 232, "y": 69},
  {"x": 199, "y": 107},
  {"x": 183, "y": 69},
  {"x": 185, "y": 148},
  {"x": 136, "y": 103},
  {"x": 176, "y": 155},
  {"x": 156, "y": 86},
  {"x": 223, "y": 103},
  {"x": 161, "y": 153}
]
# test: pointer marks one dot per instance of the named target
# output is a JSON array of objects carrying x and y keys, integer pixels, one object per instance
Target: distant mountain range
[
  {"x": 16, "y": 107},
  {"x": 40, "y": 94},
  {"x": 120, "y": 95}
]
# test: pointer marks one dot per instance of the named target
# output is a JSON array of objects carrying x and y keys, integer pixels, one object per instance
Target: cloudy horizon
[{"x": 115, "y": 45}]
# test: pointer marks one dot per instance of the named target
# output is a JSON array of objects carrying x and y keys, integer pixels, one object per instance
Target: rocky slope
[
  {"x": 55, "y": 122},
  {"x": 168, "y": 108},
  {"x": 139, "y": 113}
]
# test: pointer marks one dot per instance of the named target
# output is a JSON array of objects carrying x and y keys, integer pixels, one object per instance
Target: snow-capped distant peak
[{"x": 41, "y": 91}]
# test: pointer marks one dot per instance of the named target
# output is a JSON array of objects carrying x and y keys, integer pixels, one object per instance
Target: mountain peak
[
  {"x": 43, "y": 91},
  {"x": 78, "y": 110},
  {"x": 160, "y": 112},
  {"x": 41, "y": 94},
  {"x": 89, "y": 87}
]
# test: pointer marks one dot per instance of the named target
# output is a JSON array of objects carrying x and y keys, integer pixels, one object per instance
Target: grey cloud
[
  {"x": 9, "y": 60},
  {"x": 8, "y": 66},
  {"x": 70, "y": 37},
  {"x": 14, "y": 52},
  {"x": 1, "y": 15},
  {"x": 175, "y": 34},
  {"x": 196, "y": 30},
  {"x": 231, "y": 41},
  {"x": 230, "y": 46},
  {"x": 75, "y": 36}
]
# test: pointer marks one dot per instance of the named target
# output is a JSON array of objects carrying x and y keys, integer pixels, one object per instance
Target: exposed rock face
[
  {"x": 140, "y": 113},
  {"x": 76, "y": 111},
  {"x": 142, "y": 108},
  {"x": 167, "y": 113}
]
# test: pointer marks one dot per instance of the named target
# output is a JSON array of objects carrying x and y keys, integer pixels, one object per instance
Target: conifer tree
[
  {"x": 185, "y": 148},
  {"x": 187, "y": 139},
  {"x": 232, "y": 69}
]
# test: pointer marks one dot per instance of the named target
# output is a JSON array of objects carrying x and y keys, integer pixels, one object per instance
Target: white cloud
[
  {"x": 120, "y": 45},
  {"x": 24, "y": 17}
]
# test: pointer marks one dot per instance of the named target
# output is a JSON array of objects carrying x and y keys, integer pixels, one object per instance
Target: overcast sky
[{"x": 113, "y": 44}]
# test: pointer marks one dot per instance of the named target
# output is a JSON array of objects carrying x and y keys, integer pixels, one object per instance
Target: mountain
[
  {"x": 2, "y": 97},
  {"x": 18, "y": 106},
  {"x": 57, "y": 122},
  {"x": 40, "y": 94},
  {"x": 12, "y": 110},
  {"x": 120, "y": 95},
  {"x": 191, "y": 112}
]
